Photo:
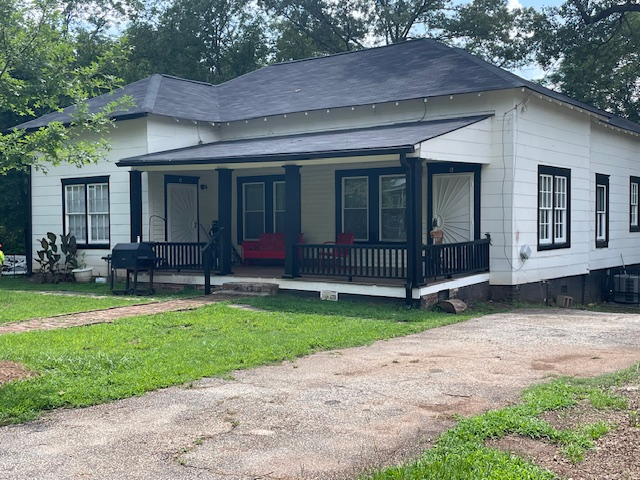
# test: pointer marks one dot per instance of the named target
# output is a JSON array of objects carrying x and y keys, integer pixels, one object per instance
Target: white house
[{"x": 389, "y": 144}]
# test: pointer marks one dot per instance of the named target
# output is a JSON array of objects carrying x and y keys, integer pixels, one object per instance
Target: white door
[
  {"x": 182, "y": 212},
  {"x": 453, "y": 206}
]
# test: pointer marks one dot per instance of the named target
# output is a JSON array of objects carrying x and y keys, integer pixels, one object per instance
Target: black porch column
[
  {"x": 135, "y": 205},
  {"x": 413, "y": 168},
  {"x": 293, "y": 218},
  {"x": 224, "y": 219}
]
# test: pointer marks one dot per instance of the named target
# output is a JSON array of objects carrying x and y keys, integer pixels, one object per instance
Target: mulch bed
[{"x": 10, "y": 371}]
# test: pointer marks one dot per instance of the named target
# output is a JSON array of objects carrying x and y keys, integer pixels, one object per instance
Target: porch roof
[{"x": 381, "y": 140}]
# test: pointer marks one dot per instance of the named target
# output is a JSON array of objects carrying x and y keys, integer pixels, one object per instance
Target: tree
[
  {"x": 39, "y": 73},
  {"x": 207, "y": 40},
  {"x": 331, "y": 27},
  {"x": 593, "y": 11},
  {"x": 399, "y": 20},
  {"x": 596, "y": 62},
  {"x": 493, "y": 31}
]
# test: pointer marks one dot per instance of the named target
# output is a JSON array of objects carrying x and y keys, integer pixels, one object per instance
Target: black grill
[{"x": 134, "y": 258}]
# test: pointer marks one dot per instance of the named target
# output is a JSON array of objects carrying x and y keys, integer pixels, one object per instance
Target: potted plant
[{"x": 82, "y": 273}]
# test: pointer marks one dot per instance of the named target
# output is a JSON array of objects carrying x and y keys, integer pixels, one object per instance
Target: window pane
[
  {"x": 278, "y": 207},
  {"x": 393, "y": 201},
  {"x": 600, "y": 198},
  {"x": 545, "y": 226},
  {"x": 75, "y": 199},
  {"x": 356, "y": 221},
  {"x": 561, "y": 192},
  {"x": 99, "y": 227},
  {"x": 560, "y": 225},
  {"x": 76, "y": 227},
  {"x": 545, "y": 191},
  {"x": 546, "y": 203},
  {"x": 601, "y": 212},
  {"x": 254, "y": 225},
  {"x": 634, "y": 204},
  {"x": 98, "y": 198},
  {"x": 355, "y": 207},
  {"x": 254, "y": 197},
  {"x": 355, "y": 192},
  {"x": 278, "y": 222},
  {"x": 392, "y": 224},
  {"x": 253, "y": 207},
  {"x": 278, "y": 196}
]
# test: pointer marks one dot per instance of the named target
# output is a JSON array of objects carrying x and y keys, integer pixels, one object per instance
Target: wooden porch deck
[{"x": 373, "y": 287}]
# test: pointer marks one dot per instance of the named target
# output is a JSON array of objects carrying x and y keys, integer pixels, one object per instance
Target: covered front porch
[{"x": 200, "y": 206}]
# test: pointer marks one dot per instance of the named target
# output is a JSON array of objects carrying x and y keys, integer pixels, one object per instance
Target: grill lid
[{"x": 130, "y": 255}]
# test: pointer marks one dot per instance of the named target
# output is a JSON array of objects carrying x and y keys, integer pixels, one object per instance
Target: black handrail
[
  {"x": 446, "y": 260},
  {"x": 178, "y": 255},
  {"x": 211, "y": 257}
]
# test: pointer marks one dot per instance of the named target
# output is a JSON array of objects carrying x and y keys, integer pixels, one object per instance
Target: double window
[
  {"x": 262, "y": 206},
  {"x": 371, "y": 204},
  {"x": 602, "y": 210},
  {"x": 86, "y": 210},
  {"x": 554, "y": 207},
  {"x": 634, "y": 221}
]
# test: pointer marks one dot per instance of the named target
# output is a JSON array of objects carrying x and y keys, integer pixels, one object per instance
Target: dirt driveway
[{"x": 328, "y": 416}]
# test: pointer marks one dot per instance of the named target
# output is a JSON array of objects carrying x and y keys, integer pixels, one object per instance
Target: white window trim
[
  {"x": 634, "y": 211},
  {"x": 554, "y": 207},
  {"x": 601, "y": 213},
  {"x": 82, "y": 187}
]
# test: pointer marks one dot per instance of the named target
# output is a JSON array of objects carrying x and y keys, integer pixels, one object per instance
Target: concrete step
[{"x": 255, "y": 288}]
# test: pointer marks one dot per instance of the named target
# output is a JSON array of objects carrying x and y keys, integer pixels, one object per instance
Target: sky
[{"x": 535, "y": 3}]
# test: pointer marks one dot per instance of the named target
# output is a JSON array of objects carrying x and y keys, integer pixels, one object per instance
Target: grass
[
  {"x": 461, "y": 454},
  {"x": 100, "y": 363},
  {"x": 22, "y": 283},
  {"x": 22, "y": 301}
]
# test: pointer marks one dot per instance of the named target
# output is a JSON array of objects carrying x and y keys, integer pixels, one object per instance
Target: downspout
[
  {"x": 28, "y": 230},
  {"x": 413, "y": 218}
]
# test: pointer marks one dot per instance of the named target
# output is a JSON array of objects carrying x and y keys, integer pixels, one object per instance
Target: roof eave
[{"x": 397, "y": 149}]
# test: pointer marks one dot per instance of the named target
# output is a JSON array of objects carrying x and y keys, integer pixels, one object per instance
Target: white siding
[
  {"x": 127, "y": 139},
  {"x": 550, "y": 135},
  {"x": 618, "y": 155}
]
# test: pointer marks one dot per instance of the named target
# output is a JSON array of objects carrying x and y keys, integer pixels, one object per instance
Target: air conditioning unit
[{"x": 626, "y": 288}]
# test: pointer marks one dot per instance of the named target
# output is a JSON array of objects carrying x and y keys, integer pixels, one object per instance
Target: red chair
[{"x": 338, "y": 255}]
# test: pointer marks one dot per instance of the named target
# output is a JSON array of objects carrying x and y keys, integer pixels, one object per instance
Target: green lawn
[
  {"x": 100, "y": 363},
  {"x": 23, "y": 300}
]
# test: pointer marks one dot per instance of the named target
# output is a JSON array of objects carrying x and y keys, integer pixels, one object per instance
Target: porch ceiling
[{"x": 382, "y": 140}]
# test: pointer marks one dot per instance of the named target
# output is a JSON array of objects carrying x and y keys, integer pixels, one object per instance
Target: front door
[
  {"x": 182, "y": 212},
  {"x": 453, "y": 209}
]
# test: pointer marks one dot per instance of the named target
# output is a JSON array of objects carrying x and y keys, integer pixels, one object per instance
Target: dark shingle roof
[
  {"x": 413, "y": 69},
  {"x": 158, "y": 94},
  {"x": 400, "y": 138}
]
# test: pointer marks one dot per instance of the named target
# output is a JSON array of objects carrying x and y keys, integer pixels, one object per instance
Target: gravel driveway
[{"x": 327, "y": 416}]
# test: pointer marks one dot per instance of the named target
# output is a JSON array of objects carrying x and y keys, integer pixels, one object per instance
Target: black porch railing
[
  {"x": 179, "y": 255},
  {"x": 390, "y": 261},
  {"x": 371, "y": 261},
  {"x": 446, "y": 260},
  {"x": 335, "y": 260}
]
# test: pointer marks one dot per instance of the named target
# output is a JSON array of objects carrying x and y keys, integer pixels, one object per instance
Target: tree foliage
[
  {"x": 493, "y": 31},
  {"x": 597, "y": 62},
  {"x": 39, "y": 73},
  {"x": 207, "y": 40}
]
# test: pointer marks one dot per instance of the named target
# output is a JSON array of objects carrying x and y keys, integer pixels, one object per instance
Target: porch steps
[{"x": 253, "y": 288}]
